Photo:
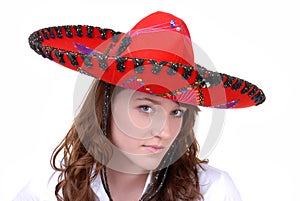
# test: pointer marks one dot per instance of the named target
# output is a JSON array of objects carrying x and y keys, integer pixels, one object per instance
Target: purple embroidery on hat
[
  {"x": 226, "y": 105},
  {"x": 82, "y": 49}
]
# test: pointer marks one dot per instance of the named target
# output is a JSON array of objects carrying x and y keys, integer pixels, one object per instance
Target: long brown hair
[{"x": 85, "y": 149}]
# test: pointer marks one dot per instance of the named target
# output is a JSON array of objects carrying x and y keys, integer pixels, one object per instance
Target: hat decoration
[{"x": 154, "y": 57}]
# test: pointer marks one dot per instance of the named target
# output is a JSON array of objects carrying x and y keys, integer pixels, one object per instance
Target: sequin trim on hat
[{"x": 125, "y": 42}]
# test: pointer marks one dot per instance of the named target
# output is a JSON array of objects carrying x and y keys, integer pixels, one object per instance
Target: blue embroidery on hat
[{"x": 172, "y": 23}]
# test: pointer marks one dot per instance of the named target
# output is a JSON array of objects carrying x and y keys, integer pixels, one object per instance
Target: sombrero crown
[{"x": 155, "y": 56}]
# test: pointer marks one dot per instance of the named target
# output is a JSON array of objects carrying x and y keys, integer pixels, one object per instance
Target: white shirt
[{"x": 215, "y": 185}]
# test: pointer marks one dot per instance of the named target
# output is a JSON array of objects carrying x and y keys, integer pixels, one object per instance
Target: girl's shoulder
[{"x": 216, "y": 184}]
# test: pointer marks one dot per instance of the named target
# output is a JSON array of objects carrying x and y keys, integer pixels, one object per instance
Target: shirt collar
[{"x": 98, "y": 188}]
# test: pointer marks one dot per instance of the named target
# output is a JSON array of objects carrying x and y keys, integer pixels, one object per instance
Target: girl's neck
[
  {"x": 121, "y": 164},
  {"x": 125, "y": 178},
  {"x": 125, "y": 184}
]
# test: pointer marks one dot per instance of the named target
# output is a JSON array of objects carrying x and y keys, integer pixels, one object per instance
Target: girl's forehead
[{"x": 133, "y": 95}]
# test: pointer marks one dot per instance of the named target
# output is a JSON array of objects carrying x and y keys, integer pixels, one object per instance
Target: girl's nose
[{"x": 161, "y": 125}]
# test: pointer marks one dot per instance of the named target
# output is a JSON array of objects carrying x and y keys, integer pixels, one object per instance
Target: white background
[{"x": 256, "y": 40}]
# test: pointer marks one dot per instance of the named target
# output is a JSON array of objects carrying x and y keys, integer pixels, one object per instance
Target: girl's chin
[{"x": 133, "y": 163}]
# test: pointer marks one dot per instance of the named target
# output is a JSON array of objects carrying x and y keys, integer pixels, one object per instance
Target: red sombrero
[{"x": 155, "y": 57}]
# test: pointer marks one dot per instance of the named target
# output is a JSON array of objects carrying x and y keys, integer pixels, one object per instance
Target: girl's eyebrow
[{"x": 153, "y": 101}]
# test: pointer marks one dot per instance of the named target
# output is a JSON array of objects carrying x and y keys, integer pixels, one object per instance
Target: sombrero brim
[{"x": 81, "y": 48}]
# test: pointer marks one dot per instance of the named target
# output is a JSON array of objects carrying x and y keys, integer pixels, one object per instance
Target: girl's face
[{"x": 144, "y": 126}]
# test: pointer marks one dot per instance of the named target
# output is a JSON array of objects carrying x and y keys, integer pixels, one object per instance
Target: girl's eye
[
  {"x": 177, "y": 113},
  {"x": 145, "y": 108}
]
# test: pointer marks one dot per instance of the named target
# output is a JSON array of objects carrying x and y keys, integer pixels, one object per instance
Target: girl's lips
[{"x": 153, "y": 148}]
